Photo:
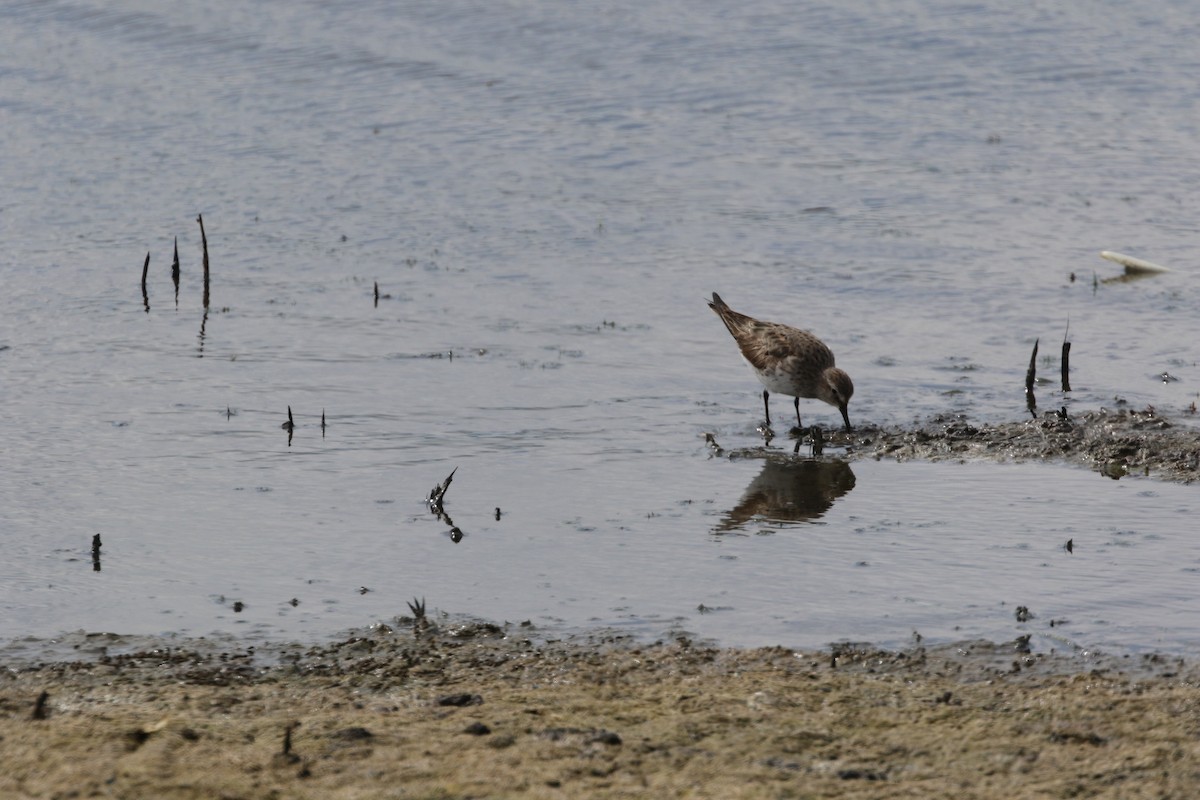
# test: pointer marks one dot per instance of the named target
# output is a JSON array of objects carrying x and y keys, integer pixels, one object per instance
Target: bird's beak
[{"x": 846, "y": 417}]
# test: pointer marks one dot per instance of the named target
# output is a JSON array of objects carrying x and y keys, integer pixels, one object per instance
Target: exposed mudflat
[
  {"x": 476, "y": 711},
  {"x": 1115, "y": 443}
]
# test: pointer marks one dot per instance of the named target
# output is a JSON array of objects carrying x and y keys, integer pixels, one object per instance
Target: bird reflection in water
[{"x": 789, "y": 491}]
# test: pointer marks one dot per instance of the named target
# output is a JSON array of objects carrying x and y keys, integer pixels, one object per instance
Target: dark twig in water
[
  {"x": 1066, "y": 358},
  {"x": 204, "y": 244},
  {"x": 497, "y": 513},
  {"x": 145, "y": 271},
  {"x": 421, "y": 622},
  {"x": 1030, "y": 377},
  {"x": 417, "y": 607},
  {"x": 439, "y": 492},
  {"x": 175, "y": 271},
  {"x": 377, "y": 294},
  {"x": 322, "y": 423},
  {"x": 289, "y": 426},
  {"x": 1066, "y": 368},
  {"x": 435, "y": 501},
  {"x": 96, "y": 545}
]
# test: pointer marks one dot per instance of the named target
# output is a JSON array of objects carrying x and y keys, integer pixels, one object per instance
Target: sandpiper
[{"x": 787, "y": 360}]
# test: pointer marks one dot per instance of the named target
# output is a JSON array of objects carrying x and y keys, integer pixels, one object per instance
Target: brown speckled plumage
[{"x": 787, "y": 360}]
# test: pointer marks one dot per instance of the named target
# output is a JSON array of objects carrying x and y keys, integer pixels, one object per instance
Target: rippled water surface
[{"x": 545, "y": 194}]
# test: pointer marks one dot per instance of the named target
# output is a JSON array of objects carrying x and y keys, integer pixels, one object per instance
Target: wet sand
[{"x": 475, "y": 710}]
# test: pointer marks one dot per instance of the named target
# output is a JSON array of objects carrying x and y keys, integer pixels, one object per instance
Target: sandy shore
[{"x": 476, "y": 711}]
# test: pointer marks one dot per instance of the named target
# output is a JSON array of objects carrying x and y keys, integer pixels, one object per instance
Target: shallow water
[{"x": 546, "y": 194}]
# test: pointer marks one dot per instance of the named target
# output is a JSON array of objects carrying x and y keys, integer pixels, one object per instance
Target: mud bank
[
  {"x": 1115, "y": 443},
  {"x": 478, "y": 711}
]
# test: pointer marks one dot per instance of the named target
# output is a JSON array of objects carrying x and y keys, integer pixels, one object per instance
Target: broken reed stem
[
  {"x": 1066, "y": 358},
  {"x": 175, "y": 271},
  {"x": 145, "y": 270},
  {"x": 204, "y": 244},
  {"x": 1031, "y": 373},
  {"x": 1030, "y": 376}
]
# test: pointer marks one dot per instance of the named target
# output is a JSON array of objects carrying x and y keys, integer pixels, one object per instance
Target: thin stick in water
[
  {"x": 1066, "y": 358},
  {"x": 289, "y": 426},
  {"x": 145, "y": 270},
  {"x": 175, "y": 271},
  {"x": 1030, "y": 376},
  {"x": 204, "y": 244}
]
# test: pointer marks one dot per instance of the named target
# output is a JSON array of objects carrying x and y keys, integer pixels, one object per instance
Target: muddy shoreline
[
  {"x": 474, "y": 710},
  {"x": 437, "y": 708},
  {"x": 1114, "y": 443}
]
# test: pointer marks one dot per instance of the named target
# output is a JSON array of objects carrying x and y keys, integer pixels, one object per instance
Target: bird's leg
[
  {"x": 766, "y": 407},
  {"x": 799, "y": 424}
]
